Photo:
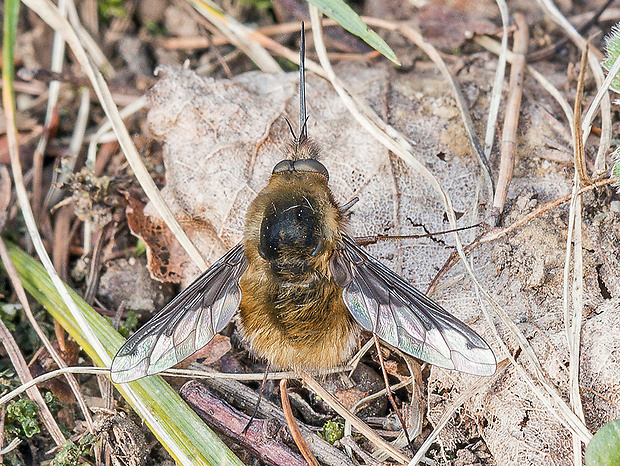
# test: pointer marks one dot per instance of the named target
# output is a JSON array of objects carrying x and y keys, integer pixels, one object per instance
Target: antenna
[{"x": 303, "y": 131}]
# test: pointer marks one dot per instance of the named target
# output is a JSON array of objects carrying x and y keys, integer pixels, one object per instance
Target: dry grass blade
[
  {"x": 21, "y": 368},
  {"x": 578, "y": 142},
  {"x": 355, "y": 421},
  {"x": 498, "y": 81},
  {"x": 238, "y": 35},
  {"x": 432, "y": 53},
  {"x": 48, "y": 376},
  {"x": 574, "y": 333},
  {"x": 492, "y": 46},
  {"x": 49, "y": 13},
  {"x": 96, "y": 54},
  {"x": 573, "y": 322},
  {"x": 21, "y": 295},
  {"x": 103, "y": 133},
  {"x": 511, "y": 119},
  {"x": 456, "y": 404},
  {"x": 552, "y": 11},
  {"x": 54, "y": 194}
]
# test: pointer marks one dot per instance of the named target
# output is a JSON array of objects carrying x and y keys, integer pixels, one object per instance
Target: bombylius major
[{"x": 303, "y": 287}]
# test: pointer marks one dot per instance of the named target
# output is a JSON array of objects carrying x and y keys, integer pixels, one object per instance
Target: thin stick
[
  {"x": 511, "y": 120},
  {"x": 355, "y": 421},
  {"x": 365, "y": 240},
  {"x": 260, "y": 397},
  {"x": 390, "y": 395},
  {"x": 50, "y": 375},
  {"x": 498, "y": 81},
  {"x": 497, "y": 233},
  {"x": 559, "y": 45},
  {"x": 578, "y": 142},
  {"x": 292, "y": 425},
  {"x": 21, "y": 368},
  {"x": 605, "y": 140},
  {"x": 21, "y": 295},
  {"x": 456, "y": 404},
  {"x": 218, "y": 55}
]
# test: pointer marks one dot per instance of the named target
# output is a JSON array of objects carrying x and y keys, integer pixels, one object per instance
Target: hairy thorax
[{"x": 291, "y": 311}]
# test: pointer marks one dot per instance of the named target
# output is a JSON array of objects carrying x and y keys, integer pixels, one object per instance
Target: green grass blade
[
  {"x": 344, "y": 15},
  {"x": 177, "y": 427},
  {"x": 11, "y": 15}
]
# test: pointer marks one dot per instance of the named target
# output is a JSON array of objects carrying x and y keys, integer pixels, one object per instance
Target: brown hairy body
[{"x": 295, "y": 318}]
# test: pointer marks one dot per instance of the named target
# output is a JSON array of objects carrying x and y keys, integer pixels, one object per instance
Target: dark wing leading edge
[
  {"x": 185, "y": 324},
  {"x": 382, "y": 302}
]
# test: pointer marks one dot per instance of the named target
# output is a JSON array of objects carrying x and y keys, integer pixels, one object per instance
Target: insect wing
[
  {"x": 185, "y": 324},
  {"x": 385, "y": 304}
]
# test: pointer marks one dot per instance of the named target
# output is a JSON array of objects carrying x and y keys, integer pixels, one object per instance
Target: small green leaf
[
  {"x": 129, "y": 324},
  {"x": 69, "y": 454},
  {"x": 604, "y": 448},
  {"x": 344, "y": 15},
  {"x": 332, "y": 431},
  {"x": 23, "y": 416}
]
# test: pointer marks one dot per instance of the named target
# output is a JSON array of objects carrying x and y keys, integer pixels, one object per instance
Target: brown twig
[
  {"x": 579, "y": 151},
  {"x": 244, "y": 397},
  {"x": 60, "y": 258},
  {"x": 21, "y": 295},
  {"x": 95, "y": 265},
  {"x": 355, "y": 421},
  {"x": 21, "y": 368},
  {"x": 262, "y": 438},
  {"x": 366, "y": 240},
  {"x": 218, "y": 55},
  {"x": 511, "y": 120},
  {"x": 388, "y": 390},
  {"x": 292, "y": 425},
  {"x": 496, "y": 233},
  {"x": 551, "y": 50},
  {"x": 35, "y": 80},
  {"x": 37, "y": 164}
]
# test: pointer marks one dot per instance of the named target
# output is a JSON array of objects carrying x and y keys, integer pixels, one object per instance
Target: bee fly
[{"x": 303, "y": 287}]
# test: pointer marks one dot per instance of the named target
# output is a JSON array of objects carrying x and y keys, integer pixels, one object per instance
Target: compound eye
[
  {"x": 310, "y": 166},
  {"x": 283, "y": 166}
]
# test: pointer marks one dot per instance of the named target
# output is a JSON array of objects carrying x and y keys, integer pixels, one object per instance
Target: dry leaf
[{"x": 222, "y": 138}]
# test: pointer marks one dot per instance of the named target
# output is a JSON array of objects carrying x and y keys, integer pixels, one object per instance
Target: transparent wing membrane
[
  {"x": 385, "y": 304},
  {"x": 185, "y": 324}
]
